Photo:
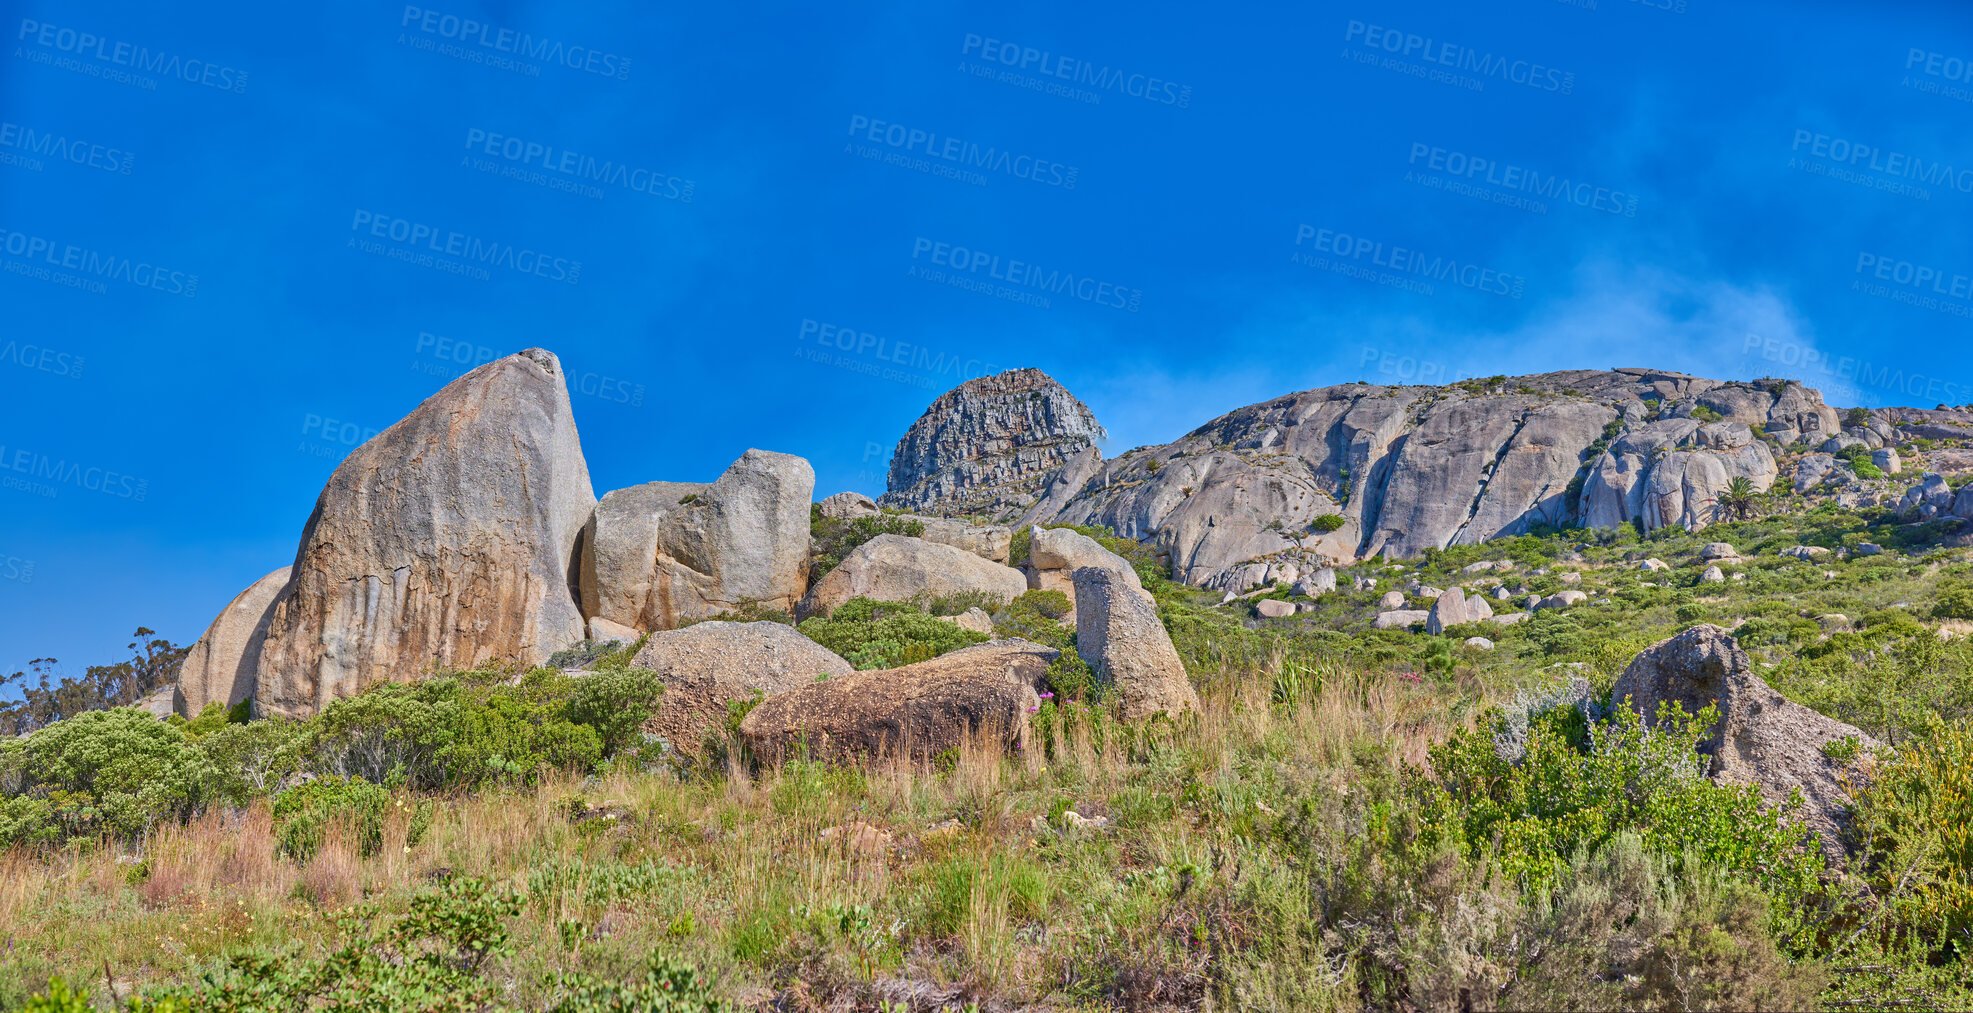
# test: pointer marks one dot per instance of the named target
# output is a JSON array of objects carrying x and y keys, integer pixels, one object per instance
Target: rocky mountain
[
  {"x": 988, "y": 445},
  {"x": 1407, "y": 468}
]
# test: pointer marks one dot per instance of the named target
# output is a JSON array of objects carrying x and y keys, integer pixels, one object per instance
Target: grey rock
[
  {"x": 1398, "y": 619},
  {"x": 445, "y": 542},
  {"x": 1719, "y": 550},
  {"x": 1762, "y": 738},
  {"x": 1448, "y": 610},
  {"x": 662, "y": 554},
  {"x": 1869, "y": 549},
  {"x": 1838, "y": 444},
  {"x": 1813, "y": 470},
  {"x": 989, "y": 446},
  {"x": 845, "y": 506},
  {"x": 899, "y": 567},
  {"x": 222, "y": 665},
  {"x": 1564, "y": 599},
  {"x": 1391, "y": 600},
  {"x": 603, "y": 630},
  {"x": 975, "y": 619},
  {"x": 1055, "y": 554},
  {"x": 987, "y": 541},
  {"x": 708, "y": 665},
  {"x": 1805, "y": 552},
  {"x": 1887, "y": 461},
  {"x": 1119, "y": 635},
  {"x": 1477, "y": 608},
  {"x": 1479, "y": 643},
  {"x": 1713, "y": 575},
  {"x": 1320, "y": 582},
  {"x": 1654, "y": 564},
  {"x": 1509, "y": 618},
  {"x": 1501, "y": 593},
  {"x": 1274, "y": 608}
]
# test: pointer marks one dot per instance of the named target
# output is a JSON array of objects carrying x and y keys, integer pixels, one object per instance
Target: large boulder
[
  {"x": 987, "y": 541},
  {"x": 845, "y": 506},
  {"x": 1055, "y": 554},
  {"x": 989, "y": 446},
  {"x": 918, "y": 711},
  {"x": 661, "y": 554},
  {"x": 899, "y": 567},
  {"x": 1762, "y": 738},
  {"x": 1119, "y": 635},
  {"x": 1448, "y": 610},
  {"x": 446, "y": 542},
  {"x": 708, "y": 665},
  {"x": 221, "y": 667}
]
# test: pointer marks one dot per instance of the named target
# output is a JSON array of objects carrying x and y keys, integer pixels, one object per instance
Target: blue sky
[{"x": 235, "y": 242}]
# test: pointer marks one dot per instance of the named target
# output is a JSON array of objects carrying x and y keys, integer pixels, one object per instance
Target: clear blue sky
[{"x": 237, "y": 240}]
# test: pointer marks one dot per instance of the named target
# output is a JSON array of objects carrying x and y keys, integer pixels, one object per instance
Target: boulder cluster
[{"x": 468, "y": 534}]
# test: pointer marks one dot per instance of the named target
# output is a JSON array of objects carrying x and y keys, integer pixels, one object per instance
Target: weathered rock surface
[
  {"x": 975, "y": 619},
  {"x": 657, "y": 555},
  {"x": 1055, "y": 554},
  {"x": 601, "y": 629},
  {"x": 1119, "y": 635},
  {"x": 1274, "y": 608},
  {"x": 707, "y": 665},
  {"x": 446, "y": 542},
  {"x": 1391, "y": 600},
  {"x": 987, "y": 541},
  {"x": 1409, "y": 468},
  {"x": 1762, "y": 738},
  {"x": 989, "y": 446},
  {"x": 1398, "y": 619},
  {"x": 223, "y": 664},
  {"x": 916, "y": 711},
  {"x": 1448, "y": 610},
  {"x": 898, "y": 567},
  {"x": 845, "y": 506}
]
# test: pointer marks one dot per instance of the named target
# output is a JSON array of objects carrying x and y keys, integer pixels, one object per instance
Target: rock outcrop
[
  {"x": 707, "y": 665},
  {"x": 657, "y": 555},
  {"x": 1762, "y": 738},
  {"x": 1411, "y": 468},
  {"x": 222, "y": 666},
  {"x": 898, "y": 568},
  {"x": 446, "y": 542},
  {"x": 845, "y": 506},
  {"x": 989, "y": 446},
  {"x": 1055, "y": 554},
  {"x": 1119, "y": 635},
  {"x": 918, "y": 711}
]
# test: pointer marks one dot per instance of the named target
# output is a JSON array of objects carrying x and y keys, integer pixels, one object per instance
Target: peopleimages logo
[
  {"x": 492, "y": 38},
  {"x": 1530, "y": 181},
  {"x": 1404, "y": 265},
  {"x": 88, "y": 46},
  {"x": 41, "y": 144},
  {"x": 40, "y": 474},
  {"x": 474, "y": 254},
  {"x": 1050, "y": 68},
  {"x": 574, "y": 171},
  {"x": 956, "y": 153},
  {"x": 96, "y": 265},
  {"x": 1843, "y": 151},
  {"x": 979, "y": 263},
  {"x": 1461, "y": 58},
  {"x": 43, "y": 360}
]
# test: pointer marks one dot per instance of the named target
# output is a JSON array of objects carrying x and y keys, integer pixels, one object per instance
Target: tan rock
[
  {"x": 918, "y": 711},
  {"x": 898, "y": 567},
  {"x": 1119, "y": 635},
  {"x": 708, "y": 665},
  {"x": 222, "y": 666}
]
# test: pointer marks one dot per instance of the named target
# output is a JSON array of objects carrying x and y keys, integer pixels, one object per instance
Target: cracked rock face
[
  {"x": 444, "y": 543},
  {"x": 1412, "y": 468},
  {"x": 989, "y": 446}
]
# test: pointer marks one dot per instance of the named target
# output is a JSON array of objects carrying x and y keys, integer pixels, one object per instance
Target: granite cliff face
[
  {"x": 988, "y": 446},
  {"x": 1405, "y": 469}
]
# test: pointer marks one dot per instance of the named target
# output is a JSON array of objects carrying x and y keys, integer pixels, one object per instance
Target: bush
[
  {"x": 872, "y": 634},
  {"x": 1326, "y": 523},
  {"x": 1036, "y": 616},
  {"x": 303, "y": 813},
  {"x": 114, "y": 772},
  {"x": 1954, "y": 604},
  {"x": 835, "y": 539},
  {"x": 1914, "y": 826},
  {"x": 670, "y": 986}
]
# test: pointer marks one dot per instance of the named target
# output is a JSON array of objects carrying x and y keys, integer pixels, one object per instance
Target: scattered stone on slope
[
  {"x": 918, "y": 711},
  {"x": 1119, "y": 635},
  {"x": 899, "y": 568},
  {"x": 223, "y": 664},
  {"x": 706, "y": 666},
  {"x": 989, "y": 446},
  {"x": 662, "y": 554},
  {"x": 446, "y": 542},
  {"x": 1762, "y": 738}
]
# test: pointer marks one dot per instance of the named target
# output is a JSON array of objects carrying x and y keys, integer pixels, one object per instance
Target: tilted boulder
[
  {"x": 1448, "y": 610},
  {"x": 899, "y": 567},
  {"x": 1119, "y": 635},
  {"x": 222, "y": 666},
  {"x": 708, "y": 665},
  {"x": 661, "y": 554},
  {"x": 1762, "y": 738},
  {"x": 446, "y": 542},
  {"x": 917, "y": 711},
  {"x": 1055, "y": 554}
]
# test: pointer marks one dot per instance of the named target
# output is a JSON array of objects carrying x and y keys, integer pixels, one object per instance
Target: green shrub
[
  {"x": 303, "y": 814},
  {"x": 872, "y": 634},
  {"x": 1326, "y": 523},
  {"x": 1914, "y": 824},
  {"x": 1954, "y": 604},
  {"x": 669, "y": 986},
  {"x": 1036, "y": 616},
  {"x": 116, "y": 772},
  {"x": 835, "y": 539}
]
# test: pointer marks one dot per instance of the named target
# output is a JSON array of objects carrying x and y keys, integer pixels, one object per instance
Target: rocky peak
[{"x": 989, "y": 446}]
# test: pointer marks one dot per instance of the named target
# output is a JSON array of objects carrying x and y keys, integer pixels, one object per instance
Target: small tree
[{"x": 1739, "y": 498}]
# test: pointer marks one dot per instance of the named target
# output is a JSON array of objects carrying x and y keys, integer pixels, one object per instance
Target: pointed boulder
[
  {"x": 221, "y": 666},
  {"x": 446, "y": 542}
]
